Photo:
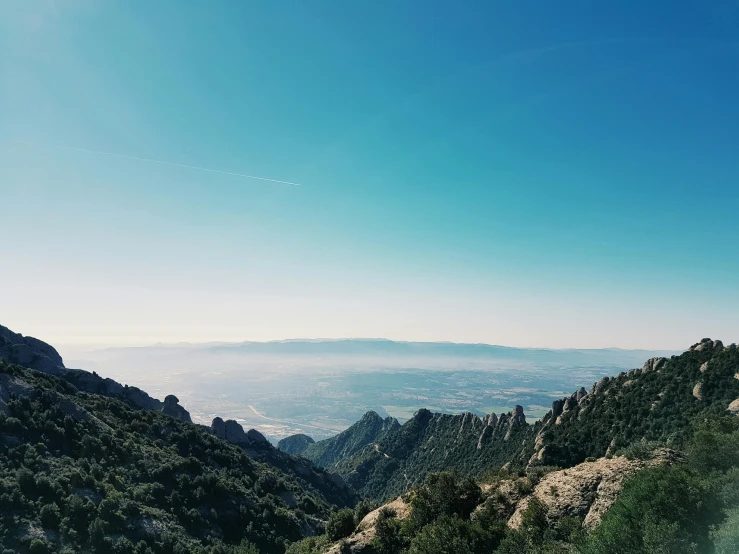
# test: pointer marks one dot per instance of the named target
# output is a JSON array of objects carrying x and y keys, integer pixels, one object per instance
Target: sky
[{"x": 550, "y": 174}]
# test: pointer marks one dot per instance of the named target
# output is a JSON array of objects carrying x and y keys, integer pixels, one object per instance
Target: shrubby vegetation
[
  {"x": 655, "y": 406},
  {"x": 690, "y": 507},
  {"x": 86, "y": 473}
]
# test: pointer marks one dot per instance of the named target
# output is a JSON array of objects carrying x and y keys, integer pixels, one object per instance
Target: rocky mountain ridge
[
  {"x": 656, "y": 402},
  {"x": 35, "y": 354}
]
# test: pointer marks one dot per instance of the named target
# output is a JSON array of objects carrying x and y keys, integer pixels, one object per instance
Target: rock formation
[{"x": 35, "y": 354}]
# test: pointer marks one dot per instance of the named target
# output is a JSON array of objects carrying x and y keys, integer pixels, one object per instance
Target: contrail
[{"x": 157, "y": 162}]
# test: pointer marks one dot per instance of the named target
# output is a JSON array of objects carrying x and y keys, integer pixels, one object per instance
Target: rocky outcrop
[
  {"x": 422, "y": 416},
  {"x": 733, "y": 408},
  {"x": 587, "y": 490},
  {"x": 256, "y": 438},
  {"x": 698, "y": 391},
  {"x": 36, "y": 354},
  {"x": 653, "y": 364},
  {"x": 364, "y": 534},
  {"x": 173, "y": 409},
  {"x": 515, "y": 418},
  {"x": 29, "y": 352},
  {"x": 295, "y": 444},
  {"x": 706, "y": 344},
  {"x": 233, "y": 432}
]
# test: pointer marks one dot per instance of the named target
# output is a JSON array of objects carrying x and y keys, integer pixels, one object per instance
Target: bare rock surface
[{"x": 586, "y": 490}]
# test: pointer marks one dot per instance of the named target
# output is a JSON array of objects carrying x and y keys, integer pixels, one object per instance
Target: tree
[{"x": 340, "y": 524}]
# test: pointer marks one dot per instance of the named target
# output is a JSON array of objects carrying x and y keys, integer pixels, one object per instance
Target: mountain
[
  {"x": 657, "y": 402},
  {"x": 87, "y": 464},
  {"x": 295, "y": 444},
  {"x": 36, "y": 354},
  {"x": 365, "y": 433},
  {"x": 80, "y": 471}
]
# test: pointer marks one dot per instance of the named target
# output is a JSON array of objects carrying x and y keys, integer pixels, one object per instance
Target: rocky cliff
[{"x": 35, "y": 354}]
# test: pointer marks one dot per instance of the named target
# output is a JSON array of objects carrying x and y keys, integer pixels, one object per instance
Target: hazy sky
[{"x": 521, "y": 173}]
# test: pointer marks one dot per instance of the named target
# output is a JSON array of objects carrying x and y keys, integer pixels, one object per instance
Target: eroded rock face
[
  {"x": 698, "y": 391},
  {"x": 586, "y": 490},
  {"x": 36, "y": 354},
  {"x": 515, "y": 417},
  {"x": 29, "y": 352},
  {"x": 734, "y": 407}
]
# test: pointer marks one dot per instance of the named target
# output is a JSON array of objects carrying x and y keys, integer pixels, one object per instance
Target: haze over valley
[{"x": 321, "y": 387}]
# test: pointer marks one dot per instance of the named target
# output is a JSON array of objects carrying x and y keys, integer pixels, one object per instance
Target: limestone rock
[
  {"x": 704, "y": 367},
  {"x": 557, "y": 407},
  {"x": 173, "y": 409},
  {"x": 707, "y": 344},
  {"x": 257, "y": 438},
  {"x": 29, "y": 352},
  {"x": 698, "y": 391},
  {"x": 218, "y": 428},
  {"x": 653, "y": 364},
  {"x": 586, "y": 490},
  {"x": 234, "y": 433},
  {"x": 734, "y": 407}
]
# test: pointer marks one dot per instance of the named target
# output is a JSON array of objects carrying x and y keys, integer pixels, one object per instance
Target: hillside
[
  {"x": 88, "y": 472},
  {"x": 35, "y": 354},
  {"x": 295, "y": 444},
  {"x": 365, "y": 433},
  {"x": 647, "y": 501},
  {"x": 657, "y": 402}
]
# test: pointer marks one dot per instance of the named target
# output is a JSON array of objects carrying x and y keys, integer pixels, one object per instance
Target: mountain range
[{"x": 89, "y": 464}]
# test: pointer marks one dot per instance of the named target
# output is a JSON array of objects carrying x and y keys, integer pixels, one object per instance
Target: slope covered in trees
[
  {"x": 688, "y": 505},
  {"x": 83, "y": 472},
  {"x": 365, "y": 432},
  {"x": 657, "y": 402}
]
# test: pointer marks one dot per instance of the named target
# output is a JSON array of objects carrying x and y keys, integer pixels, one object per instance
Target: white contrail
[{"x": 157, "y": 162}]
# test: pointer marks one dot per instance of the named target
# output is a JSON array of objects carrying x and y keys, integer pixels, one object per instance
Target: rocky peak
[
  {"x": 371, "y": 417},
  {"x": 422, "y": 416},
  {"x": 29, "y": 352},
  {"x": 706, "y": 344},
  {"x": 295, "y": 444},
  {"x": 256, "y": 438},
  {"x": 653, "y": 364},
  {"x": 36, "y": 354},
  {"x": 173, "y": 409}
]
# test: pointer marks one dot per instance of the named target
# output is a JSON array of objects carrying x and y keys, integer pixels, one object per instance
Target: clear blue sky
[{"x": 524, "y": 173}]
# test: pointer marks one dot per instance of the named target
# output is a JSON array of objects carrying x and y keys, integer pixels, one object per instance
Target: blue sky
[{"x": 523, "y": 173}]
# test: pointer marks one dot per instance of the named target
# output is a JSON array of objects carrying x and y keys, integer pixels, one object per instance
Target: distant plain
[{"x": 322, "y": 387}]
